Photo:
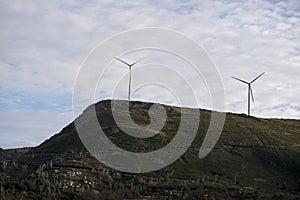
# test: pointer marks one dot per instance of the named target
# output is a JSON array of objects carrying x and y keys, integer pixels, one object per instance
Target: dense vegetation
[{"x": 254, "y": 159}]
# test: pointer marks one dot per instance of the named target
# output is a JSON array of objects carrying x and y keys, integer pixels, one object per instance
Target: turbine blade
[
  {"x": 239, "y": 80},
  {"x": 136, "y": 62},
  {"x": 257, "y": 77},
  {"x": 123, "y": 61},
  {"x": 251, "y": 94}
]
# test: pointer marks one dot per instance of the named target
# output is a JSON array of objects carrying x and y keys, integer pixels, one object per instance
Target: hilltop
[{"x": 254, "y": 158}]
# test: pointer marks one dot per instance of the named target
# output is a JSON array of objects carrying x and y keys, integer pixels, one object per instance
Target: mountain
[{"x": 254, "y": 158}]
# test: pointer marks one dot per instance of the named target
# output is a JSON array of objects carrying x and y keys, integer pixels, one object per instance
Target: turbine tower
[
  {"x": 250, "y": 92},
  {"x": 129, "y": 66}
]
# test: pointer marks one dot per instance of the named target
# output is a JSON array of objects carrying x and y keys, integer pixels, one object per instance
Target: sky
[{"x": 44, "y": 43}]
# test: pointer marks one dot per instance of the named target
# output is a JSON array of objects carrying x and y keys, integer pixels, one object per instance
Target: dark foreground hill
[{"x": 254, "y": 158}]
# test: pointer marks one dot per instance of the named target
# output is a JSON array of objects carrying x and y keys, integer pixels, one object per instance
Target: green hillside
[{"x": 255, "y": 158}]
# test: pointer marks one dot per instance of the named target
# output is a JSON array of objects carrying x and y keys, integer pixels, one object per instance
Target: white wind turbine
[
  {"x": 129, "y": 66},
  {"x": 250, "y": 92}
]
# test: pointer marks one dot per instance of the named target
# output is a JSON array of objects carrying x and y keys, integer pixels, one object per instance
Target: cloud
[
  {"x": 43, "y": 45},
  {"x": 30, "y": 128}
]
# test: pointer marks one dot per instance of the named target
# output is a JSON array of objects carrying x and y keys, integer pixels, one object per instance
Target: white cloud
[
  {"x": 44, "y": 43},
  {"x": 30, "y": 128}
]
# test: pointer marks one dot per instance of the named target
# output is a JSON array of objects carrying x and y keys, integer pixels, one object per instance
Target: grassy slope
[
  {"x": 261, "y": 153},
  {"x": 257, "y": 152}
]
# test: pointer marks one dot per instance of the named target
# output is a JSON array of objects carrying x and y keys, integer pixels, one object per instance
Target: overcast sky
[{"x": 44, "y": 43}]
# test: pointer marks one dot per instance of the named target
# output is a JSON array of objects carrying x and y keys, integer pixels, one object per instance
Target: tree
[
  {"x": 2, "y": 193},
  {"x": 3, "y": 165}
]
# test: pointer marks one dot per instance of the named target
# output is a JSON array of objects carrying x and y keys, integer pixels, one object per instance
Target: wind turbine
[
  {"x": 250, "y": 92},
  {"x": 129, "y": 66}
]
